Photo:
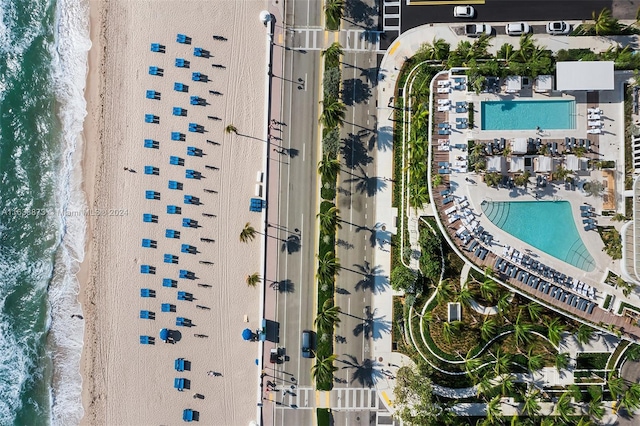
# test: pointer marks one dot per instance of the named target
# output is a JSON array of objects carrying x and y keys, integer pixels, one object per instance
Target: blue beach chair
[
  {"x": 177, "y": 136},
  {"x": 183, "y": 295},
  {"x": 171, "y": 258},
  {"x": 168, "y": 307},
  {"x": 183, "y": 39},
  {"x": 197, "y": 100},
  {"x": 190, "y": 199},
  {"x": 189, "y": 223},
  {"x": 175, "y": 185},
  {"x": 168, "y": 282},
  {"x": 187, "y": 415},
  {"x": 198, "y": 76},
  {"x": 178, "y": 383},
  {"x": 158, "y": 48},
  {"x": 174, "y": 209},
  {"x": 152, "y": 94},
  {"x": 179, "y": 364},
  {"x": 147, "y": 315},
  {"x": 150, "y": 118},
  {"x": 149, "y": 218},
  {"x": 181, "y": 63},
  {"x": 147, "y": 292},
  {"x": 151, "y": 170},
  {"x": 149, "y": 243},
  {"x": 156, "y": 71},
  {"x": 147, "y": 269},
  {"x": 150, "y": 143},
  {"x": 147, "y": 340},
  {"x": 180, "y": 87},
  {"x": 170, "y": 233},
  {"x": 152, "y": 195},
  {"x": 192, "y": 174},
  {"x": 194, "y": 152},
  {"x": 180, "y": 112}
]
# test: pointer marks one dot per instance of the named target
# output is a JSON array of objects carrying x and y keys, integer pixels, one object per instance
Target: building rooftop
[{"x": 584, "y": 75}]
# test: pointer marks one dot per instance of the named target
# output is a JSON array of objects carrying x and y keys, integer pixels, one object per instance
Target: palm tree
[
  {"x": 554, "y": 331},
  {"x": 504, "y": 302},
  {"x": 248, "y": 233},
  {"x": 534, "y": 362},
  {"x": 561, "y": 173},
  {"x": 564, "y": 407},
  {"x": 253, "y": 279},
  {"x": 333, "y": 12},
  {"x": 616, "y": 385},
  {"x": 584, "y": 334},
  {"x": 450, "y": 329},
  {"x": 492, "y": 178},
  {"x": 322, "y": 370},
  {"x": 327, "y": 317},
  {"x": 464, "y": 296},
  {"x": 329, "y": 168},
  {"x": 333, "y": 113},
  {"x": 603, "y": 23},
  {"x": 531, "y": 405},
  {"x": 329, "y": 220},
  {"x": 328, "y": 266},
  {"x": 333, "y": 52},
  {"x": 562, "y": 360},
  {"x": 488, "y": 289},
  {"x": 444, "y": 291},
  {"x": 502, "y": 363},
  {"x": 471, "y": 364},
  {"x": 596, "y": 406},
  {"x": 522, "y": 331},
  {"x": 631, "y": 397},
  {"x": 418, "y": 196},
  {"x": 488, "y": 329},
  {"x": 438, "y": 50},
  {"x": 493, "y": 410},
  {"x": 231, "y": 129},
  {"x": 534, "y": 309}
]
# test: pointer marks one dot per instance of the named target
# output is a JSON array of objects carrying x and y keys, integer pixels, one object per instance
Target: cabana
[
  {"x": 516, "y": 164},
  {"x": 542, "y": 164},
  {"x": 519, "y": 146},
  {"x": 543, "y": 83},
  {"x": 496, "y": 163},
  {"x": 572, "y": 162},
  {"x": 514, "y": 83}
]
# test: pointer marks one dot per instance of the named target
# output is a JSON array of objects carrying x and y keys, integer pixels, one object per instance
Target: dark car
[{"x": 308, "y": 344}]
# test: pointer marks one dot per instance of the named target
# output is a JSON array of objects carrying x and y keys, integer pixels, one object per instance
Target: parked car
[
  {"x": 517, "y": 28},
  {"x": 558, "y": 28},
  {"x": 308, "y": 344},
  {"x": 476, "y": 30},
  {"x": 464, "y": 12}
]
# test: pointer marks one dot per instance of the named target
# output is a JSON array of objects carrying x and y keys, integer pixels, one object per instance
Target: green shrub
[
  {"x": 331, "y": 83},
  {"x": 471, "y": 112},
  {"x": 607, "y": 302}
]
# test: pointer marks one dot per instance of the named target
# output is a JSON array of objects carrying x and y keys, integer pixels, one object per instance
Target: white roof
[
  {"x": 517, "y": 164},
  {"x": 519, "y": 146},
  {"x": 584, "y": 75},
  {"x": 543, "y": 164},
  {"x": 572, "y": 162},
  {"x": 544, "y": 83},
  {"x": 496, "y": 163},
  {"x": 514, "y": 83}
]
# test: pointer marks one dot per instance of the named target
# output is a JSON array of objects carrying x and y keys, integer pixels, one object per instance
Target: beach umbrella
[
  {"x": 247, "y": 334},
  {"x": 164, "y": 334}
]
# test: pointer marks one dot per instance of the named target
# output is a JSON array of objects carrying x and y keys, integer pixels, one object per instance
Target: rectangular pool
[{"x": 528, "y": 115}]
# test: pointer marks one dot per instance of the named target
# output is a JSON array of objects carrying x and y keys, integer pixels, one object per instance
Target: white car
[
  {"x": 517, "y": 28},
  {"x": 464, "y": 12},
  {"x": 558, "y": 28}
]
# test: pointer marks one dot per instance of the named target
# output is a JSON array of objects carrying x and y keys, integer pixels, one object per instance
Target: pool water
[
  {"x": 545, "y": 225},
  {"x": 528, "y": 115}
]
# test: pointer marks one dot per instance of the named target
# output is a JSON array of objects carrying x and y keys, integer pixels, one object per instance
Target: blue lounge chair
[
  {"x": 150, "y": 118},
  {"x": 185, "y": 274},
  {"x": 148, "y": 315},
  {"x": 152, "y": 195},
  {"x": 181, "y": 63},
  {"x": 152, "y": 94},
  {"x": 170, "y": 258},
  {"x": 180, "y": 112},
  {"x": 194, "y": 152},
  {"x": 443, "y": 125},
  {"x": 149, "y": 218},
  {"x": 186, "y": 248},
  {"x": 190, "y": 199},
  {"x": 156, "y": 71},
  {"x": 198, "y": 76},
  {"x": 177, "y": 136},
  {"x": 189, "y": 223},
  {"x": 187, "y": 415},
  {"x": 168, "y": 282},
  {"x": 148, "y": 243},
  {"x": 197, "y": 100},
  {"x": 444, "y": 132},
  {"x": 150, "y": 143},
  {"x": 168, "y": 307},
  {"x": 147, "y": 340},
  {"x": 175, "y": 185},
  {"x": 460, "y": 126},
  {"x": 183, "y": 39},
  {"x": 192, "y": 174},
  {"x": 179, "y": 364},
  {"x": 147, "y": 269},
  {"x": 174, "y": 209},
  {"x": 157, "y": 47},
  {"x": 198, "y": 51},
  {"x": 170, "y": 233},
  {"x": 183, "y": 322},
  {"x": 180, "y": 87},
  {"x": 147, "y": 292},
  {"x": 176, "y": 161},
  {"x": 183, "y": 295},
  {"x": 151, "y": 170},
  {"x": 178, "y": 383}
]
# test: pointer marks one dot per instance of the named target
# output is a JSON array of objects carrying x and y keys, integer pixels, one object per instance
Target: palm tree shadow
[
  {"x": 354, "y": 152},
  {"x": 372, "y": 278},
  {"x": 372, "y": 326},
  {"x": 355, "y": 91},
  {"x": 385, "y": 138},
  {"x": 366, "y": 374},
  {"x": 283, "y": 286},
  {"x": 291, "y": 244},
  {"x": 361, "y": 13}
]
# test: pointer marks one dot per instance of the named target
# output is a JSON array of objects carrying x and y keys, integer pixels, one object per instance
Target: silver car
[
  {"x": 558, "y": 28},
  {"x": 517, "y": 28}
]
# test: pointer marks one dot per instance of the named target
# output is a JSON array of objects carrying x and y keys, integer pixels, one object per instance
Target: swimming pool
[
  {"x": 546, "y": 225},
  {"x": 528, "y": 115}
]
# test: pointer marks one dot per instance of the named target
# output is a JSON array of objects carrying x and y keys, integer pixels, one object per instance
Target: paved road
[{"x": 296, "y": 162}]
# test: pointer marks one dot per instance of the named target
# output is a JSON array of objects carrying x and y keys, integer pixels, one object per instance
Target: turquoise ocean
[{"x": 43, "y": 65}]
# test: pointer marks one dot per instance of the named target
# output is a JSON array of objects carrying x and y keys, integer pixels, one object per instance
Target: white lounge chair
[{"x": 597, "y": 131}]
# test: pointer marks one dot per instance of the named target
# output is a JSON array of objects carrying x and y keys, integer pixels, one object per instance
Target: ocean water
[{"x": 43, "y": 64}]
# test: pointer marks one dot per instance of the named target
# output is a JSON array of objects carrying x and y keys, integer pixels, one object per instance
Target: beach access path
[{"x": 126, "y": 382}]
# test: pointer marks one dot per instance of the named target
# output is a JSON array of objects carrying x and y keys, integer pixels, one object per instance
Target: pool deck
[{"x": 462, "y": 183}]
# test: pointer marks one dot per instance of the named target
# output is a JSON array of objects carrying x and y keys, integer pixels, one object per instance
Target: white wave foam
[{"x": 70, "y": 55}]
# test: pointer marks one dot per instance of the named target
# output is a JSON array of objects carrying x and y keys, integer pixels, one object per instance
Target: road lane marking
[{"x": 394, "y": 47}]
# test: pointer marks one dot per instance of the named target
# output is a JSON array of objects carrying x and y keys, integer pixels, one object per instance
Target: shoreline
[{"x": 89, "y": 163}]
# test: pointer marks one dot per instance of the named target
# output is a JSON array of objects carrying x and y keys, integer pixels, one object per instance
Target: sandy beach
[{"x": 125, "y": 382}]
